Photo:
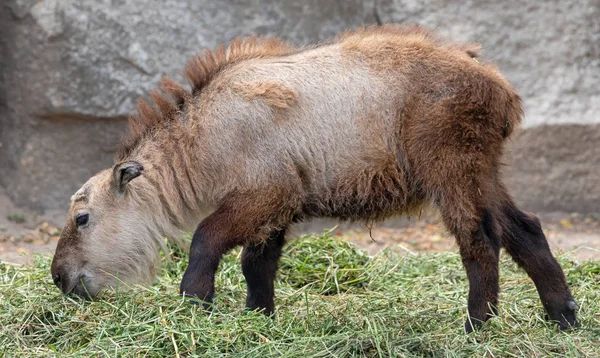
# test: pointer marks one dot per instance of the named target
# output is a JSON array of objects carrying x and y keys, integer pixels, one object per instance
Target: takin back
[{"x": 377, "y": 122}]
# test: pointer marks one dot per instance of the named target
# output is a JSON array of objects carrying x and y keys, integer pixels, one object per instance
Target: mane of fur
[{"x": 199, "y": 71}]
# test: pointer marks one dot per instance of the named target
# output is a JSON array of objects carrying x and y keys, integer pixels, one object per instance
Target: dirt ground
[
  {"x": 23, "y": 235},
  {"x": 577, "y": 234}
]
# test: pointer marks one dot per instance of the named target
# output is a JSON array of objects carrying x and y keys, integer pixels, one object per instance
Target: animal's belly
[{"x": 367, "y": 193}]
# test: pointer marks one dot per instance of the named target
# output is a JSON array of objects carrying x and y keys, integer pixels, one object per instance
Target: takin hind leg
[
  {"x": 525, "y": 241},
  {"x": 479, "y": 247},
  {"x": 259, "y": 265}
]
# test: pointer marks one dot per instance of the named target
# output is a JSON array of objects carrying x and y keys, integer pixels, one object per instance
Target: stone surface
[
  {"x": 557, "y": 167},
  {"x": 71, "y": 70}
]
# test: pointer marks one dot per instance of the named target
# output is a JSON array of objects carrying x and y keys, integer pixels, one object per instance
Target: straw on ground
[{"x": 332, "y": 300}]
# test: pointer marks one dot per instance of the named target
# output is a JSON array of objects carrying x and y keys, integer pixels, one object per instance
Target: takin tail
[
  {"x": 512, "y": 112},
  {"x": 505, "y": 103}
]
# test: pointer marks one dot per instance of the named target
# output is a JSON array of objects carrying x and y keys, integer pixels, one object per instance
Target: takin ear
[{"x": 124, "y": 172}]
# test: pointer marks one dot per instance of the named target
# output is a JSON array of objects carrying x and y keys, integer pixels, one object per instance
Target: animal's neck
[{"x": 172, "y": 172}]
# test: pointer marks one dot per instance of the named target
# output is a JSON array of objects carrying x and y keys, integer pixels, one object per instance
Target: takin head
[{"x": 111, "y": 235}]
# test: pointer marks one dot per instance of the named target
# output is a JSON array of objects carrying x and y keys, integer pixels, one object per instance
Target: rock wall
[{"x": 71, "y": 71}]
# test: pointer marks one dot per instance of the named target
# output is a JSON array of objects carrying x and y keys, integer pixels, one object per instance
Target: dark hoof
[
  {"x": 267, "y": 311},
  {"x": 270, "y": 314},
  {"x": 193, "y": 299},
  {"x": 565, "y": 317},
  {"x": 198, "y": 292},
  {"x": 472, "y": 324}
]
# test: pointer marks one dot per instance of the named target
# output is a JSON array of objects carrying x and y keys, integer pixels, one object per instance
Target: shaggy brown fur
[
  {"x": 377, "y": 122},
  {"x": 275, "y": 94}
]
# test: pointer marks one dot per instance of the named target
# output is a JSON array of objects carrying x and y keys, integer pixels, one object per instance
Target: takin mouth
[{"x": 80, "y": 287}]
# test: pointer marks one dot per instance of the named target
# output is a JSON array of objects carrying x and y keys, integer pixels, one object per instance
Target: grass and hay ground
[{"x": 332, "y": 300}]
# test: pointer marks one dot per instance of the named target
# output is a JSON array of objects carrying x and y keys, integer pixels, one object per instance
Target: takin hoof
[
  {"x": 198, "y": 291},
  {"x": 198, "y": 297},
  {"x": 193, "y": 299},
  {"x": 262, "y": 310},
  {"x": 473, "y": 324},
  {"x": 262, "y": 305},
  {"x": 564, "y": 316}
]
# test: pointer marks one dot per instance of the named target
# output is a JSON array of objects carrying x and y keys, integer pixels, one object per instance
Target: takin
[{"x": 376, "y": 122}]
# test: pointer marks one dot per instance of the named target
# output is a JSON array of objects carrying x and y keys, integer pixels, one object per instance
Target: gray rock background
[{"x": 71, "y": 72}]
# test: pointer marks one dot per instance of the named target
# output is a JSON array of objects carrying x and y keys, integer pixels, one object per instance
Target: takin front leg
[
  {"x": 525, "y": 241},
  {"x": 240, "y": 220},
  {"x": 211, "y": 240},
  {"x": 259, "y": 264}
]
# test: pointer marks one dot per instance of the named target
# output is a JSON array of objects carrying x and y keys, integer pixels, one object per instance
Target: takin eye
[{"x": 82, "y": 219}]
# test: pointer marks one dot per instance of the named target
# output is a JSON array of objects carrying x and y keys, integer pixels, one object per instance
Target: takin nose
[{"x": 60, "y": 277}]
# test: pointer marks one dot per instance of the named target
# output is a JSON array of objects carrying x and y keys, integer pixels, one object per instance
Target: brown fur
[
  {"x": 377, "y": 122},
  {"x": 275, "y": 94}
]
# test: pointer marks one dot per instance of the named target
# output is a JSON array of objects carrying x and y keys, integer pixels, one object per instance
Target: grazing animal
[{"x": 376, "y": 122}]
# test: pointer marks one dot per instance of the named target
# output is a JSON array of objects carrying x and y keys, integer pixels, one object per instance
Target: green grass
[{"x": 332, "y": 300}]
